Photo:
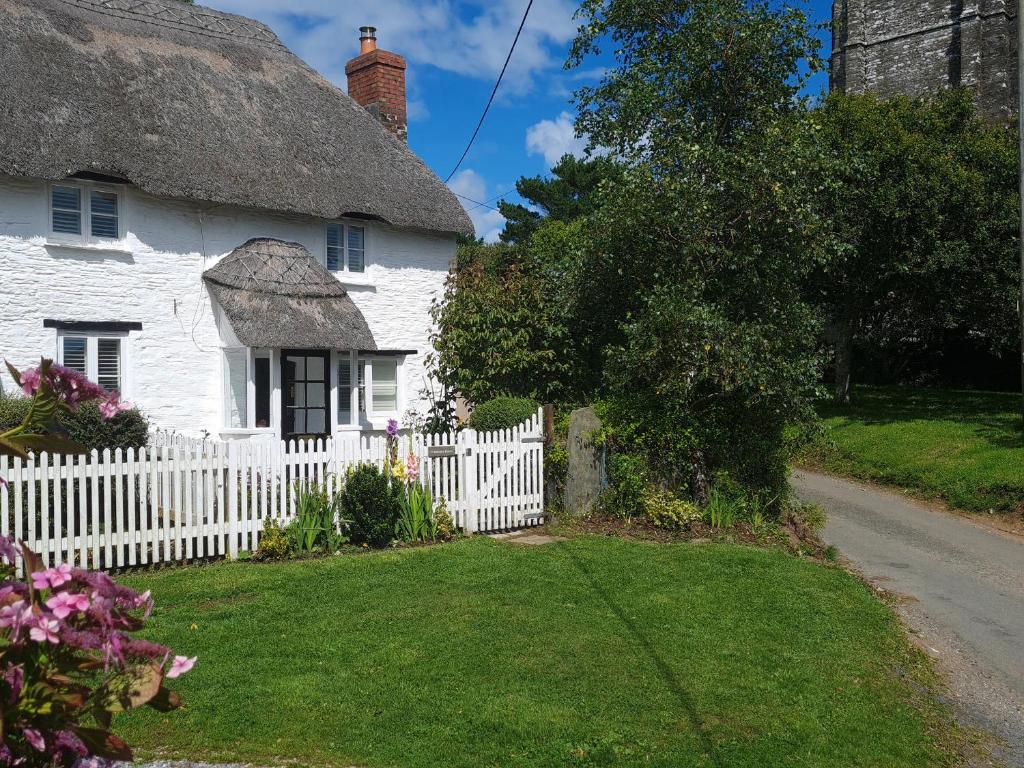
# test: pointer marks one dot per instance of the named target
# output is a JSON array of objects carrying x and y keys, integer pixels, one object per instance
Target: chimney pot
[{"x": 367, "y": 39}]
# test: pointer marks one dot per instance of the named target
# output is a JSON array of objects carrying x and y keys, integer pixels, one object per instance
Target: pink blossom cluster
[
  {"x": 73, "y": 389},
  {"x": 412, "y": 468},
  {"x": 71, "y": 614}
]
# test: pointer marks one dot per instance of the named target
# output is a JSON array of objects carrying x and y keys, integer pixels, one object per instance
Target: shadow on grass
[
  {"x": 643, "y": 642},
  {"x": 992, "y": 416}
]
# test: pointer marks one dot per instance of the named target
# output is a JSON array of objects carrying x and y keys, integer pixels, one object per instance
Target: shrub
[
  {"x": 628, "y": 480},
  {"x": 443, "y": 521},
  {"x": 721, "y": 509},
  {"x": 371, "y": 504},
  {"x": 274, "y": 544},
  {"x": 502, "y": 413},
  {"x": 69, "y": 662},
  {"x": 86, "y": 425},
  {"x": 416, "y": 521},
  {"x": 664, "y": 510},
  {"x": 317, "y": 513}
]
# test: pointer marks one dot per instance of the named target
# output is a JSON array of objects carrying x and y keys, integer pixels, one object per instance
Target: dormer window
[
  {"x": 346, "y": 248},
  {"x": 85, "y": 212}
]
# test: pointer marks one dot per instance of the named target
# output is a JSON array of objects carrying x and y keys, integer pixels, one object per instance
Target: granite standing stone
[{"x": 585, "y": 478}]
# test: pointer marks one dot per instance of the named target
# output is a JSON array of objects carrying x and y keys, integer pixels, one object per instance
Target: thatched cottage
[{"x": 191, "y": 214}]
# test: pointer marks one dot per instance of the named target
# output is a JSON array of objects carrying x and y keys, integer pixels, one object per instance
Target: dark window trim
[
  {"x": 89, "y": 325},
  {"x": 387, "y": 352}
]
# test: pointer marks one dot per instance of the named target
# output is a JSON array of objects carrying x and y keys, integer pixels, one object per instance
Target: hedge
[
  {"x": 502, "y": 413},
  {"x": 126, "y": 430}
]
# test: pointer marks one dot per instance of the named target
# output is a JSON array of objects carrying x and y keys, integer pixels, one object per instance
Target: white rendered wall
[{"x": 173, "y": 365}]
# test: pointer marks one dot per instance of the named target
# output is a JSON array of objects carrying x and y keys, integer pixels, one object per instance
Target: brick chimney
[{"x": 376, "y": 80}]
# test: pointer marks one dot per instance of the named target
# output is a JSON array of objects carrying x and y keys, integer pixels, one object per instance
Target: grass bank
[
  {"x": 966, "y": 448},
  {"x": 595, "y": 651}
]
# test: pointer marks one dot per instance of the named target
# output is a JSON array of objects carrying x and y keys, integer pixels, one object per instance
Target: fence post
[
  {"x": 469, "y": 492},
  {"x": 233, "y": 500}
]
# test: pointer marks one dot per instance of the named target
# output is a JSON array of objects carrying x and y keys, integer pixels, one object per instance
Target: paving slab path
[{"x": 963, "y": 590}]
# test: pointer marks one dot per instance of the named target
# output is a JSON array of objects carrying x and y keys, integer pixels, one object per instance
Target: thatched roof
[
  {"x": 192, "y": 103},
  {"x": 275, "y": 294}
]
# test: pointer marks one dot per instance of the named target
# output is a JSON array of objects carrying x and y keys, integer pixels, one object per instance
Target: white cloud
[
  {"x": 554, "y": 138},
  {"x": 472, "y": 185},
  {"x": 470, "y": 39}
]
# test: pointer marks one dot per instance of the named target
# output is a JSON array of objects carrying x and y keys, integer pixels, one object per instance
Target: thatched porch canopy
[{"x": 276, "y": 295}]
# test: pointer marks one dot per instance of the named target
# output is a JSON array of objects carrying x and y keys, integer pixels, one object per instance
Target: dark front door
[{"x": 305, "y": 400}]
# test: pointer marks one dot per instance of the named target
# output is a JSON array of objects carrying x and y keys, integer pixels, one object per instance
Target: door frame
[{"x": 286, "y": 413}]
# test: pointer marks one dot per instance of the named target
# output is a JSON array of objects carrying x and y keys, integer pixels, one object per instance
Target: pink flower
[
  {"x": 15, "y": 616},
  {"x": 181, "y": 665},
  {"x": 111, "y": 406},
  {"x": 53, "y": 577},
  {"x": 30, "y": 381},
  {"x": 45, "y": 630},
  {"x": 35, "y": 738},
  {"x": 412, "y": 468},
  {"x": 63, "y": 604}
]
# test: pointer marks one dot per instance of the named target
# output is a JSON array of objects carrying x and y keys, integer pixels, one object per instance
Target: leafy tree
[
  {"x": 692, "y": 284},
  {"x": 569, "y": 193},
  {"x": 921, "y": 201},
  {"x": 503, "y": 326}
]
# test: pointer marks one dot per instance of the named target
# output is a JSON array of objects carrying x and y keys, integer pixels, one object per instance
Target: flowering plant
[
  {"x": 68, "y": 662},
  {"x": 54, "y": 389}
]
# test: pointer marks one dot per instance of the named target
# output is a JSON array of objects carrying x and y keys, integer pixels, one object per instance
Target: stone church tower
[{"x": 919, "y": 46}]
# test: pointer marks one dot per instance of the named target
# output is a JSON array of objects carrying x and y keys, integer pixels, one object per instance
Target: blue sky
[{"x": 455, "y": 49}]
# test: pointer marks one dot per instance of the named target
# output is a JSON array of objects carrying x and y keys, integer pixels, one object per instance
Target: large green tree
[
  {"x": 692, "y": 282},
  {"x": 503, "y": 324},
  {"x": 567, "y": 194},
  {"x": 920, "y": 199}
]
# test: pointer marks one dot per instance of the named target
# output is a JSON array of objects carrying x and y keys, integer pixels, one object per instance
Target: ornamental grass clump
[{"x": 69, "y": 663}]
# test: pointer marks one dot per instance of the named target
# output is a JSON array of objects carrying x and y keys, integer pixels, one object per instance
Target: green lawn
[
  {"x": 595, "y": 651},
  {"x": 966, "y": 448}
]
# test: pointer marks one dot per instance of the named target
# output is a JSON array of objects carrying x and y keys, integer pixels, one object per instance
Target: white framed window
[
  {"x": 101, "y": 358},
  {"x": 384, "y": 392},
  {"x": 248, "y": 388},
  {"x": 346, "y": 383},
  {"x": 85, "y": 212},
  {"x": 374, "y": 394},
  {"x": 236, "y": 388},
  {"x": 346, "y": 248}
]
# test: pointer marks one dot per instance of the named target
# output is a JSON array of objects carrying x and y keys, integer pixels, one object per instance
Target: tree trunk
[
  {"x": 840, "y": 334},
  {"x": 701, "y": 489}
]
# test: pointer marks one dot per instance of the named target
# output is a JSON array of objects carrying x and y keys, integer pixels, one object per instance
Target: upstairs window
[
  {"x": 346, "y": 248},
  {"x": 85, "y": 212}
]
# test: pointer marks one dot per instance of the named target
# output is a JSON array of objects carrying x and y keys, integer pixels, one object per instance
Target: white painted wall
[{"x": 154, "y": 277}]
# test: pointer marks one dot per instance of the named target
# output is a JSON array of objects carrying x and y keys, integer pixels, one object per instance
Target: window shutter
[
  {"x": 385, "y": 386},
  {"x": 108, "y": 364},
  {"x": 344, "y": 392},
  {"x": 66, "y": 205},
  {"x": 73, "y": 351},
  {"x": 103, "y": 214},
  {"x": 356, "y": 249},
  {"x": 236, "y": 381},
  {"x": 334, "y": 247}
]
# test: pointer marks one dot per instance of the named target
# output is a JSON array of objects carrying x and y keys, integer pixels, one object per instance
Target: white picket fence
[{"x": 182, "y": 500}]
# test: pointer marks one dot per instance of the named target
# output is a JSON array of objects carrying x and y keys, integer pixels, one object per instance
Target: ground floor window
[
  {"x": 248, "y": 388},
  {"x": 369, "y": 389},
  {"x": 100, "y": 358}
]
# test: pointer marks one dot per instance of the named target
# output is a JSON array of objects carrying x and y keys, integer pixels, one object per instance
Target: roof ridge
[{"x": 195, "y": 19}]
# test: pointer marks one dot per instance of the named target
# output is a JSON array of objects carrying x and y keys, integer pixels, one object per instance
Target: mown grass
[
  {"x": 594, "y": 651},
  {"x": 966, "y": 448}
]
